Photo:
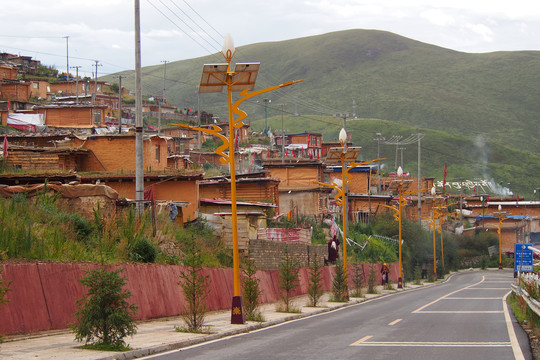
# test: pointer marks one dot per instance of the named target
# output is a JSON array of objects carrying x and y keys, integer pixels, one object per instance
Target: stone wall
[{"x": 267, "y": 255}]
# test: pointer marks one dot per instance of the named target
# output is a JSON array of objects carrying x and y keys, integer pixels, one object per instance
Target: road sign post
[{"x": 523, "y": 258}]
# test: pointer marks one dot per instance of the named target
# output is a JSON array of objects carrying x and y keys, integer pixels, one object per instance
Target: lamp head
[
  {"x": 400, "y": 172},
  {"x": 342, "y": 136},
  {"x": 228, "y": 47}
]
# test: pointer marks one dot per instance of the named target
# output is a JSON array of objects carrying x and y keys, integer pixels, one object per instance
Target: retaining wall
[{"x": 44, "y": 295}]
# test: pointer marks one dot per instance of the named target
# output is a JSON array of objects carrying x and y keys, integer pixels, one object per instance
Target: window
[
  {"x": 35, "y": 85},
  {"x": 97, "y": 117},
  {"x": 157, "y": 153},
  {"x": 48, "y": 88},
  {"x": 99, "y": 88}
]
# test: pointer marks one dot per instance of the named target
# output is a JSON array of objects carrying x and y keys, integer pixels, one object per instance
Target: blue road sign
[{"x": 523, "y": 257}]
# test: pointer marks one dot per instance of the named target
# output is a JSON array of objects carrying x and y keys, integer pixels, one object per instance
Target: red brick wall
[{"x": 43, "y": 296}]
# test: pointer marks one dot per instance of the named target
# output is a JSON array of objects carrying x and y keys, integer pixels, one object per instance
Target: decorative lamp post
[
  {"x": 502, "y": 217},
  {"x": 242, "y": 80},
  {"x": 434, "y": 215},
  {"x": 399, "y": 213},
  {"x": 344, "y": 154},
  {"x": 401, "y": 186},
  {"x": 343, "y": 141},
  {"x": 436, "y": 222}
]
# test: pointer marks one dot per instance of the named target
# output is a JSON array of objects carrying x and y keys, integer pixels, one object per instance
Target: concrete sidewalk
[{"x": 159, "y": 335}]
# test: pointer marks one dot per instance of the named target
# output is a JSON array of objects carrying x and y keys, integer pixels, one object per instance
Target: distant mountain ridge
[{"x": 380, "y": 75}]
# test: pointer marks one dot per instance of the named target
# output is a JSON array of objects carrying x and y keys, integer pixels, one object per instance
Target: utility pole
[
  {"x": 402, "y": 149},
  {"x": 199, "y": 117},
  {"x": 139, "y": 176},
  {"x": 378, "y": 139},
  {"x": 282, "y": 138},
  {"x": 419, "y": 135},
  {"x": 76, "y": 84},
  {"x": 266, "y": 101},
  {"x": 120, "y": 104},
  {"x": 67, "y": 57},
  {"x": 162, "y": 94},
  {"x": 94, "y": 95}
]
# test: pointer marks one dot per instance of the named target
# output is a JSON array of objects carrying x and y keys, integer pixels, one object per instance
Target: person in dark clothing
[
  {"x": 384, "y": 272},
  {"x": 333, "y": 247}
]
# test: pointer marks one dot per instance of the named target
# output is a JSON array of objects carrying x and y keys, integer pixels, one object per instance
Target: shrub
[
  {"x": 143, "y": 251},
  {"x": 358, "y": 280},
  {"x": 195, "y": 287},
  {"x": 315, "y": 291},
  {"x": 4, "y": 288},
  {"x": 340, "y": 291},
  {"x": 103, "y": 315},
  {"x": 288, "y": 275},
  {"x": 251, "y": 291},
  {"x": 372, "y": 280}
]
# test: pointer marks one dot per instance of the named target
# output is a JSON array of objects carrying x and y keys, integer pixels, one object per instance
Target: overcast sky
[{"x": 173, "y": 30}]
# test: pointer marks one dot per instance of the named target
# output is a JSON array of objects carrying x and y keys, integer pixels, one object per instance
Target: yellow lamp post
[
  {"x": 442, "y": 220},
  {"x": 502, "y": 217},
  {"x": 242, "y": 79},
  {"x": 344, "y": 154},
  {"x": 436, "y": 222},
  {"x": 402, "y": 186}
]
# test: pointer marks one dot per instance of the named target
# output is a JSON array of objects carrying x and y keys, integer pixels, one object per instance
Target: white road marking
[
  {"x": 363, "y": 342},
  {"x": 447, "y": 295},
  {"x": 460, "y": 312},
  {"x": 518, "y": 354},
  {"x": 474, "y": 298}
]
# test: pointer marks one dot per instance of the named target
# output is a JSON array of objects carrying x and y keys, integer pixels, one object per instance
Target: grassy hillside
[
  {"x": 456, "y": 99},
  {"x": 466, "y": 158}
]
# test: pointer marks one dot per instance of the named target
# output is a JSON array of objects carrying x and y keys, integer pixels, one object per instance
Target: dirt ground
[{"x": 534, "y": 339}]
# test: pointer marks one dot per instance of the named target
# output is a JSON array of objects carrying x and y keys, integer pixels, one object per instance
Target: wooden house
[
  {"x": 117, "y": 152},
  {"x": 168, "y": 187},
  {"x": 299, "y": 193},
  {"x": 255, "y": 187}
]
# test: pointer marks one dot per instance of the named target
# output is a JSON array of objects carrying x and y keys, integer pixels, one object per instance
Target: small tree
[
  {"x": 288, "y": 274},
  {"x": 4, "y": 288},
  {"x": 251, "y": 291},
  {"x": 195, "y": 286},
  {"x": 104, "y": 317},
  {"x": 339, "y": 286},
  {"x": 358, "y": 280},
  {"x": 315, "y": 290},
  {"x": 372, "y": 279}
]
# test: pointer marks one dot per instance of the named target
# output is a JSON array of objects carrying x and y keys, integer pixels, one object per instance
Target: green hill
[{"x": 457, "y": 99}]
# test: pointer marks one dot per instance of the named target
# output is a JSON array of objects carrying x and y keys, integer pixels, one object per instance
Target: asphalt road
[{"x": 464, "y": 318}]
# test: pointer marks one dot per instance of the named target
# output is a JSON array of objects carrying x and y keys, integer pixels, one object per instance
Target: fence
[{"x": 533, "y": 279}]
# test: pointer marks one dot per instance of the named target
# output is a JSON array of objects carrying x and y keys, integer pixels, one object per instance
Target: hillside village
[{"x": 74, "y": 132}]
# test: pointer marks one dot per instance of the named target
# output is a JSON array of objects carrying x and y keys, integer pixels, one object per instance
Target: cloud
[
  {"x": 480, "y": 29},
  {"x": 437, "y": 17}
]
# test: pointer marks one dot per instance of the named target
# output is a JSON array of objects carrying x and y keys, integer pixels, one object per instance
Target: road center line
[
  {"x": 395, "y": 322},
  {"x": 445, "y": 296}
]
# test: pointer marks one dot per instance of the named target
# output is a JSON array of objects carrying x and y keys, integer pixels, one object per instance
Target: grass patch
[
  {"x": 205, "y": 330},
  {"x": 106, "y": 347},
  {"x": 283, "y": 308}
]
